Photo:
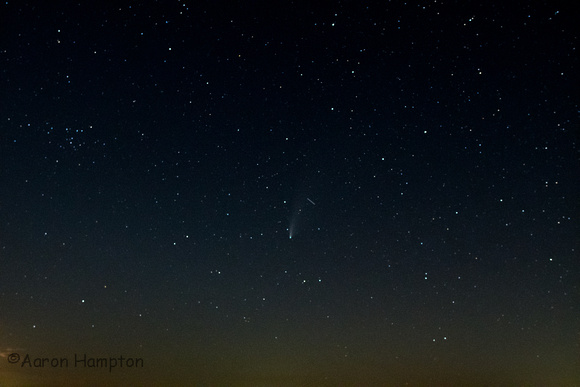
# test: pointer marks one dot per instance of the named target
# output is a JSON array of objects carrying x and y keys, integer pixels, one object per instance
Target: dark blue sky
[{"x": 155, "y": 155}]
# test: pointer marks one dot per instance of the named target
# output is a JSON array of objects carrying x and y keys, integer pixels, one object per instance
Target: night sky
[{"x": 284, "y": 193}]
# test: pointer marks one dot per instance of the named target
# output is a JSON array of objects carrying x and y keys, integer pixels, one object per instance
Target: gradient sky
[{"x": 287, "y": 193}]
